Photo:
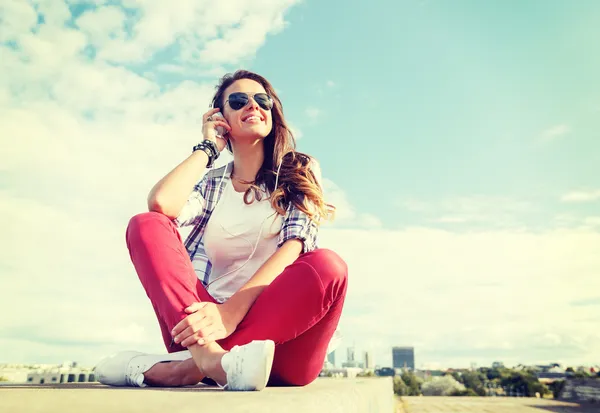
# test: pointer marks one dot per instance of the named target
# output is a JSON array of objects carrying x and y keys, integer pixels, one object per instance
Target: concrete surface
[
  {"x": 491, "y": 405},
  {"x": 330, "y": 395}
]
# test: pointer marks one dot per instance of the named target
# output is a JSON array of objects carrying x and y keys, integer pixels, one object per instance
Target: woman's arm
[
  {"x": 169, "y": 195},
  {"x": 239, "y": 303},
  {"x": 207, "y": 321}
]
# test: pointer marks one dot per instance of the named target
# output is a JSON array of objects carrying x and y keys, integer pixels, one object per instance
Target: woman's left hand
[{"x": 206, "y": 322}]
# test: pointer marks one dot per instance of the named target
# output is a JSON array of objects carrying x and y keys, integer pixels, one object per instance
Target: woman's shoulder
[{"x": 219, "y": 173}]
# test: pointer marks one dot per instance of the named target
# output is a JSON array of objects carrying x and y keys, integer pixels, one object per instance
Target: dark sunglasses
[{"x": 238, "y": 100}]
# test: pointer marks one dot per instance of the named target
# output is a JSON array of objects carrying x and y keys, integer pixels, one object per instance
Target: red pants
[{"x": 299, "y": 310}]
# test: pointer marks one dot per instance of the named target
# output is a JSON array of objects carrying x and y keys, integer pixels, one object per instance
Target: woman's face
[{"x": 251, "y": 121}]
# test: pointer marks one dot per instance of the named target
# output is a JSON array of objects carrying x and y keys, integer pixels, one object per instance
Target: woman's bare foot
[
  {"x": 208, "y": 360},
  {"x": 173, "y": 374}
]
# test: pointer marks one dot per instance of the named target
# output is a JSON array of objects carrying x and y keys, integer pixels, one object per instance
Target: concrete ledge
[
  {"x": 444, "y": 404},
  {"x": 364, "y": 395}
]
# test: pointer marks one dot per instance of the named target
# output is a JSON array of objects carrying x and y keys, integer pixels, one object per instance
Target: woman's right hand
[{"x": 209, "y": 124}]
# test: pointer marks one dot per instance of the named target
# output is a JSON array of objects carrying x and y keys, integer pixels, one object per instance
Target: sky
[{"x": 458, "y": 140}]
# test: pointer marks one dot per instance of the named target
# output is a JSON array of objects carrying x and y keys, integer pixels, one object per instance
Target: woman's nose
[{"x": 252, "y": 102}]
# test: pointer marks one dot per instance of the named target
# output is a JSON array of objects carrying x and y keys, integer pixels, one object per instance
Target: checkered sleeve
[
  {"x": 193, "y": 209},
  {"x": 298, "y": 225}
]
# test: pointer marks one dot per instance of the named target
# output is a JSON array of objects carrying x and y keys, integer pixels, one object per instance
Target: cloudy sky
[{"x": 459, "y": 141}]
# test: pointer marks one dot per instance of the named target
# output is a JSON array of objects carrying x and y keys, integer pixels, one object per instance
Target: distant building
[
  {"x": 14, "y": 373},
  {"x": 497, "y": 365},
  {"x": 67, "y": 373},
  {"x": 348, "y": 372},
  {"x": 331, "y": 358},
  {"x": 353, "y": 364},
  {"x": 369, "y": 363},
  {"x": 350, "y": 354},
  {"x": 403, "y": 357}
]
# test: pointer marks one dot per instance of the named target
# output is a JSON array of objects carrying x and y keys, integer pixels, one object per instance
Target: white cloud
[
  {"x": 296, "y": 131},
  {"x": 102, "y": 24},
  {"x": 581, "y": 196},
  {"x": 248, "y": 36},
  {"x": 56, "y": 12},
  {"x": 500, "y": 210},
  {"x": 60, "y": 264},
  {"x": 554, "y": 133},
  {"x": 17, "y": 17},
  {"x": 415, "y": 205},
  {"x": 313, "y": 113},
  {"x": 450, "y": 219},
  {"x": 206, "y": 32},
  {"x": 171, "y": 68},
  {"x": 592, "y": 221},
  {"x": 470, "y": 297},
  {"x": 578, "y": 222},
  {"x": 328, "y": 86},
  {"x": 345, "y": 213}
]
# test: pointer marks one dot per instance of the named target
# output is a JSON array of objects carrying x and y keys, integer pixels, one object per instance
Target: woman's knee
[
  {"x": 144, "y": 224},
  {"x": 329, "y": 265}
]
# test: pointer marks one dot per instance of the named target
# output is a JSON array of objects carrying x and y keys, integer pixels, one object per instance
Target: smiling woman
[{"x": 249, "y": 299}]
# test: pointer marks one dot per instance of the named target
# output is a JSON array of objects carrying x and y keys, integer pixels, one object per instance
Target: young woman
[{"x": 249, "y": 299}]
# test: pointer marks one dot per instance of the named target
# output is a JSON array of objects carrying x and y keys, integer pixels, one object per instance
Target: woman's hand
[
  {"x": 209, "y": 124},
  {"x": 206, "y": 322}
]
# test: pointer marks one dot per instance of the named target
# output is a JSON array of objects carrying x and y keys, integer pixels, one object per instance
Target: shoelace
[
  {"x": 132, "y": 381},
  {"x": 134, "y": 377}
]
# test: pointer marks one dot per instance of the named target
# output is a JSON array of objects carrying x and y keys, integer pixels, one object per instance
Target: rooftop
[{"x": 324, "y": 395}]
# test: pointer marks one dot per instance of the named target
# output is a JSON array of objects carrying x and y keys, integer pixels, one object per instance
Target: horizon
[
  {"x": 423, "y": 367},
  {"x": 459, "y": 143}
]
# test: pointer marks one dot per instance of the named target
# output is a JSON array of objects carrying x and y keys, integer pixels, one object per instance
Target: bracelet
[
  {"x": 210, "y": 145},
  {"x": 210, "y": 148},
  {"x": 213, "y": 147},
  {"x": 208, "y": 153}
]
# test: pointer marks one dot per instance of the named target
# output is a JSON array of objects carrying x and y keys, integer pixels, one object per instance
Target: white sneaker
[
  {"x": 248, "y": 367},
  {"x": 127, "y": 368}
]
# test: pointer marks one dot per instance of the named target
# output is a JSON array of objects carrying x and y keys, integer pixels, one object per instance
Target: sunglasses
[{"x": 238, "y": 100}]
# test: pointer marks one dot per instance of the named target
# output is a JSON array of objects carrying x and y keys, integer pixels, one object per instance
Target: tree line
[{"x": 482, "y": 382}]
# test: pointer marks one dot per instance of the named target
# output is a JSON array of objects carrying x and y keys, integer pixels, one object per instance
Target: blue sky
[
  {"x": 459, "y": 141},
  {"x": 449, "y": 98}
]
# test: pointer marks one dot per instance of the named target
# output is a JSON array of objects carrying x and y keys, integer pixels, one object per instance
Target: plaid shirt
[{"x": 200, "y": 205}]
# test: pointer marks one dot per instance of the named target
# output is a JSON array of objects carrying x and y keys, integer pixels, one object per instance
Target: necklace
[{"x": 242, "y": 180}]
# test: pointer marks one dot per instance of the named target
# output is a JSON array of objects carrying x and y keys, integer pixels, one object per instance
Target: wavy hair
[{"x": 297, "y": 183}]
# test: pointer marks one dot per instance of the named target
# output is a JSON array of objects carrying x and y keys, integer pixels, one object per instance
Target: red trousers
[{"x": 299, "y": 310}]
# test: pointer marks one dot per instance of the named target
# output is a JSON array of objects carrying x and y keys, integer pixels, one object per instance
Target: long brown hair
[{"x": 297, "y": 183}]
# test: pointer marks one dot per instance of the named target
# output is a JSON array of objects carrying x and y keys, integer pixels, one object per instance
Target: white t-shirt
[{"x": 230, "y": 237}]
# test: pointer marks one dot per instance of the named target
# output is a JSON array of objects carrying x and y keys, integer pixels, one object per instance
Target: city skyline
[{"x": 352, "y": 350}]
